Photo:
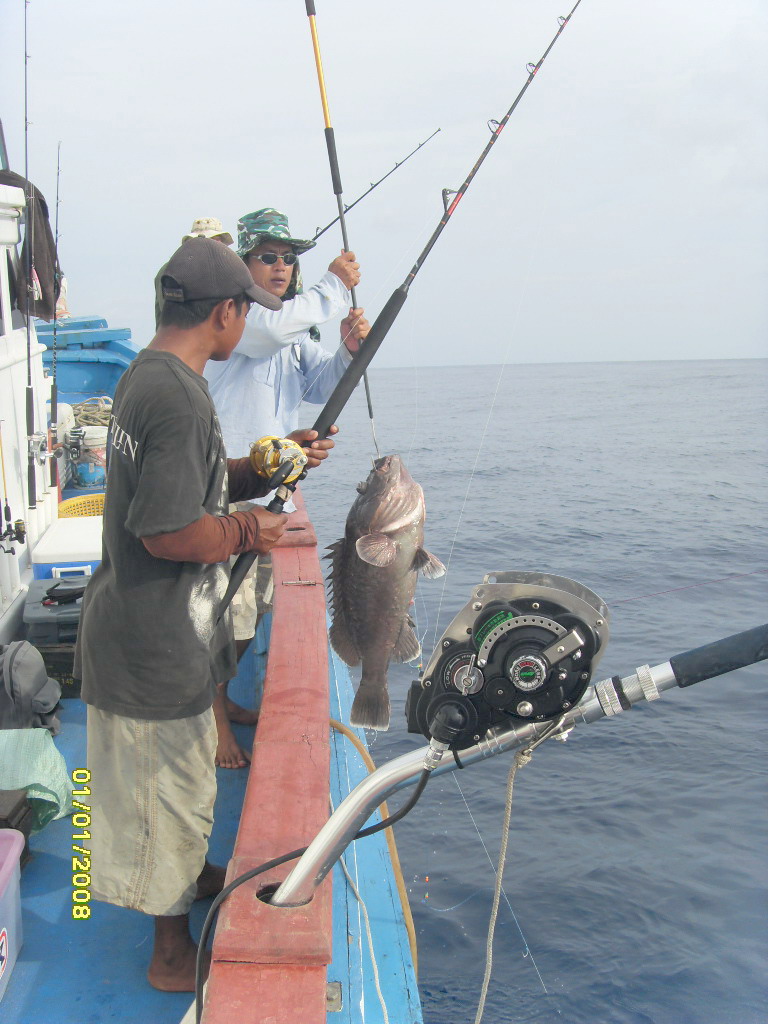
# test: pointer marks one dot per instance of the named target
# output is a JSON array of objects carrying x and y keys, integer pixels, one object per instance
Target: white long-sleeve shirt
[{"x": 276, "y": 366}]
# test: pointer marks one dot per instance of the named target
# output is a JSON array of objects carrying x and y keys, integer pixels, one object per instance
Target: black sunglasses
[{"x": 288, "y": 258}]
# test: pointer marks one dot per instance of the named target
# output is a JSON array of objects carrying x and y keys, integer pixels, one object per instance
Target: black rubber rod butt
[
  {"x": 360, "y": 362},
  {"x": 310, "y": 5},
  {"x": 239, "y": 571},
  {"x": 330, "y": 142},
  {"x": 722, "y": 656}
]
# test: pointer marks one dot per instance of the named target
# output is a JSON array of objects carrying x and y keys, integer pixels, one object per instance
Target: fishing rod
[
  {"x": 330, "y": 141},
  {"x": 56, "y": 291},
  {"x": 12, "y": 531},
  {"x": 394, "y": 304},
  {"x": 28, "y": 241},
  {"x": 375, "y": 184},
  {"x": 383, "y": 322}
]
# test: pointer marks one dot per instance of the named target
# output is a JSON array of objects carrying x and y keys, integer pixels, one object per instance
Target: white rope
[
  {"x": 368, "y": 932},
  {"x": 522, "y": 757},
  {"x": 369, "y": 935}
]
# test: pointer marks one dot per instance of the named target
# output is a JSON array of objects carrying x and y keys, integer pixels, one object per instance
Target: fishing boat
[{"x": 295, "y": 944}]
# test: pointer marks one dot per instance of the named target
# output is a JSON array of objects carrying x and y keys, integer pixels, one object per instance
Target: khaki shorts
[
  {"x": 153, "y": 786},
  {"x": 254, "y": 596}
]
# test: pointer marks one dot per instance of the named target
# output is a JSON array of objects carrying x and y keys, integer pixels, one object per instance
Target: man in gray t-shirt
[{"x": 151, "y": 637}]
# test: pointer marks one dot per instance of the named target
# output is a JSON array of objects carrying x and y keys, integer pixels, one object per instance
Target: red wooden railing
[{"x": 269, "y": 963}]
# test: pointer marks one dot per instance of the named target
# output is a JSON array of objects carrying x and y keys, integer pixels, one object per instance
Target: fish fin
[
  {"x": 428, "y": 565},
  {"x": 370, "y": 708},
  {"x": 341, "y": 641},
  {"x": 376, "y": 549},
  {"x": 407, "y": 647}
]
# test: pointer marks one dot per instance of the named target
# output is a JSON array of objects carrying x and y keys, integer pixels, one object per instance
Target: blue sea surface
[{"x": 638, "y": 853}]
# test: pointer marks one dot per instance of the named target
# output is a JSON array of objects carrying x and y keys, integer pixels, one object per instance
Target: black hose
[{"x": 267, "y": 866}]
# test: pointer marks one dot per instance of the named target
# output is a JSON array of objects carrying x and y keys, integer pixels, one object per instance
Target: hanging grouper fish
[{"x": 373, "y": 579}]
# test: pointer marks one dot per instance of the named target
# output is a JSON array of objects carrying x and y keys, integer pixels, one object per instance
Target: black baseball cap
[{"x": 205, "y": 269}]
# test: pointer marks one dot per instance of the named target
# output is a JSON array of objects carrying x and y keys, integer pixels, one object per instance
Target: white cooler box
[{"x": 69, "y": 547}]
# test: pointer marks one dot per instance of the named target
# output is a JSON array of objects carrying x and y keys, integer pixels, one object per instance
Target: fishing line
[
  {"x": 527, "y": 950},
  {"x": 512, "y": 337},
  {"x": 690, "y": 586}
]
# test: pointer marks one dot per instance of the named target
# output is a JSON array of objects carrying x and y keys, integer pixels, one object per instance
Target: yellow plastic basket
[{"x": 83, "y": 505}]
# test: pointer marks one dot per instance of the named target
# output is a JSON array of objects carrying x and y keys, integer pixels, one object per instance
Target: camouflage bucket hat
[{"x": 267, "y": 226}]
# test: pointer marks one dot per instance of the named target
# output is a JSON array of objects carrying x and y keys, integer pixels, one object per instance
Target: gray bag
[{"x": 28, "y": 697}]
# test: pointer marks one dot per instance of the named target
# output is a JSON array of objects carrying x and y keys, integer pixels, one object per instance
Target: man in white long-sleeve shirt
[{"x": 278, "y": 364}]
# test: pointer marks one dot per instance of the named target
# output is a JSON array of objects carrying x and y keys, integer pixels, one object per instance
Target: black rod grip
[
  {"x": 239, "y": 571},
  {"x": 722, "y": 656},
  {"x": 330, "y": 142},
  {"x": 351, "y": 376},
  {"x": 31, "y": 483},
  {"x": 310, "y": 5}
]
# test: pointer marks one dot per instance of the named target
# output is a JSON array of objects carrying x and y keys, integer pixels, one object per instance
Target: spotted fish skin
[{"x": 373, "y": 580}]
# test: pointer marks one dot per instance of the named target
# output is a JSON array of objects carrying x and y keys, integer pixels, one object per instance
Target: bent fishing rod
[
  {"x": 284, "y": 480},
  {"x": 374, "y": 184}
]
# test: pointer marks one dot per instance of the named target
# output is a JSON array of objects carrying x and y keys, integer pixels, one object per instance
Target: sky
[{"x": 622, "y": 214}]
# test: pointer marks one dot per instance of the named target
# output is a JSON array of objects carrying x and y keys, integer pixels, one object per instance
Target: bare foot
[
  {"x": 172, "y": 968},
  {"x": 243, "y": 716},
  {"x": 210, "y": 881},
  {"x": 229, "y": 753}
]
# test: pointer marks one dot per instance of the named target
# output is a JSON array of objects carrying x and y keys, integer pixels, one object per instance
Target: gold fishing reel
[{"x": 269, "y": 454}]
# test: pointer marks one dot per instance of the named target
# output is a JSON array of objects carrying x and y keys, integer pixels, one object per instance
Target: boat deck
[{"x": 91, "y": 971}]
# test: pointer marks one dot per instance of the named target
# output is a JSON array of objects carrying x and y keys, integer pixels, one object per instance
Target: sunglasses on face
[{"x": 288, "y": 258}]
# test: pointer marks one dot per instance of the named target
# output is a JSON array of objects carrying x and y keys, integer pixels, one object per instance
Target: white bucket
[{"x": 91, "y": 468}]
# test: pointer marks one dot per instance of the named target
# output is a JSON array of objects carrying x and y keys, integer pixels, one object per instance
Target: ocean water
[{"x": 638, "y": 854}]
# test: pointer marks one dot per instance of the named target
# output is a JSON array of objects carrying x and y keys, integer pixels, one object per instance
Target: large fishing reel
[{"x": 524, "y": 648}]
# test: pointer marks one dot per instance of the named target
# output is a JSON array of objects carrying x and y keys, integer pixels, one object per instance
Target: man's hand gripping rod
[{"x": 283, "y": 463}]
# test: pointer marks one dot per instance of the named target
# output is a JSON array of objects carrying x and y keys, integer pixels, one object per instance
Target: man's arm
[
  {"x": 215, "y": 538},
  {"x": 244, "y": 482},
  {"x": 267, "y": 331}
]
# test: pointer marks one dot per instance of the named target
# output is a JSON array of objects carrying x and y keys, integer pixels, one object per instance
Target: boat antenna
[
  {"x": 374, "y": 184},
  {"x": 56, "y": 292},
  {"x": 330, "y": 142},
  {"x": 383, "y": 321},
  {"x": 30, "y": 271}
]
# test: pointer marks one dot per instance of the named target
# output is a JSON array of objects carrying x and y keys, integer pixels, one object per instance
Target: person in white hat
[
  {"x": 202, "y": 227},
  {"x": 209, "y": 227}
]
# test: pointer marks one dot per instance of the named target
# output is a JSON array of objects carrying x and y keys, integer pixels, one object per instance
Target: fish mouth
[{"x": 386, "y": 464}]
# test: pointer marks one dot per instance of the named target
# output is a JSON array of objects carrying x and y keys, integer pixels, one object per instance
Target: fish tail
[{"x": 370, "y": 708}]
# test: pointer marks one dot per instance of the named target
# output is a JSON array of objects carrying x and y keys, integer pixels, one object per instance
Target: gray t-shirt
[{"x": 148, "y": 645}]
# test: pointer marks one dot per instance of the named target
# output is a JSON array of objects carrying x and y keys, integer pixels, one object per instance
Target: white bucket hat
[{"x": 209, "y": 227}]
